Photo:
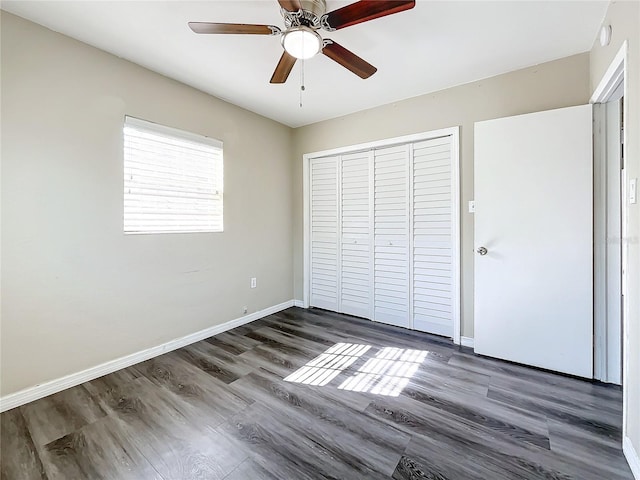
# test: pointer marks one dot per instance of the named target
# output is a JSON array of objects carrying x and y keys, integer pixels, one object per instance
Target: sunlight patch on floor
[
  {"x": 388, "y": 373},
  {"x": 327, "y": 366}
]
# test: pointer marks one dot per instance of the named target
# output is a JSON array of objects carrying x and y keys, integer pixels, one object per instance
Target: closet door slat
[
  {"x": 324, "y": 233},
  {"x": 432, "y": 237},
  {"x": 391, "y": 235},
  {"x": 355, "y": 295}
]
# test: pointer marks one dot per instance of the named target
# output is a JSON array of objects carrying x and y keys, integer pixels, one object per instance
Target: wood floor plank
[
  {"x": 376, "y": 333},
  {"x": 111, "y": 382},
  {"x": 57, "y": 415},
  {"x": 409, "y": 468},
  {"x": 292, "y": 338},
  {"x": 281, "y": 343},
  {"x": 604, "y": 425},
  {"x": 509, "y": 422},
  {"x": 435, "y": 432},
  {"x": 276, "y": 452},
  {"x": 208, "y": 397},
  {"x": 425, "y": 459},
  {"x": 496, "y": 455},
  {"x": 212, "y": 359},
  {"x": 250, "y": 470},
  {"x": 19, "y": 457},
  {"x": 309, "y": 333},
  {"x": 176, "y": 438},
  {"x": 301, "y": 447},
  {"x": 232, "y": 342},
  {"x": 442, "y": 376},
  {"x": 100, "y": 450},
  {"x": 218, "y": 356},
  {"x": 274, "y": 361},
  {"x": 379, "y": 445},
  {"x": 582, "y": 446},
  {"x": 565, "y": 395},
  {"x": 520, "y": 375},
  {"x": 195, "y": 355}
]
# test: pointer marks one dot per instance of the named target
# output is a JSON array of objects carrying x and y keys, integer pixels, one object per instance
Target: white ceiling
[{"x": 433, "y": 46}]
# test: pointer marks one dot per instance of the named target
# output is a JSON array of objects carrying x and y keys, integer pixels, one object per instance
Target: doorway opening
[{"x": 608, "y": 249}]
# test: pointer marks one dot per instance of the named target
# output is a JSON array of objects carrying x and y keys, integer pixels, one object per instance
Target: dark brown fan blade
[
  {"x": 283, "y": 69},
  {"x": 290, "y": 5},
  {"x": 349, "y": 60},
  {"x": 366, "y": 10},
  {"x": 206, "y": 27}
]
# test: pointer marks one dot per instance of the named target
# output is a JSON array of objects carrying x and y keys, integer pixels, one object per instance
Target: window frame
[{"x": 181, "y": 135}]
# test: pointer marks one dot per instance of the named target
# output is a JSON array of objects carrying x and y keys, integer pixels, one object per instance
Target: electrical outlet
[
  {"x": 245, "y": 309},
  {"x": 254, "y": 282}
]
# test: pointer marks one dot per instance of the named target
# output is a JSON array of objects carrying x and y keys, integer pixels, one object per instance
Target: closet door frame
[{"x": 454, "y": 132}]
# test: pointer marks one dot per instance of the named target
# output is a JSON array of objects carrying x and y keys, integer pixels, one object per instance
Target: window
[{"x": 172, "y": 180}]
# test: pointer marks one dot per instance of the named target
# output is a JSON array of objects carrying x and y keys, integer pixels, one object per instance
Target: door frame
[
  {"x": 616, "y": 74},
  {"x": 454, "y": 132}
]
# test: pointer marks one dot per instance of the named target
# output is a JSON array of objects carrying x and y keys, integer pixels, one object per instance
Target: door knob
[{"x": 482, "y": 251}]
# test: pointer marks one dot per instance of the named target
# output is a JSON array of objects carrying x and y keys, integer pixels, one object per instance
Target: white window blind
[{"x": 173, "y": 181}]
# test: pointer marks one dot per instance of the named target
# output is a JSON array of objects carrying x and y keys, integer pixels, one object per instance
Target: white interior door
[
  {"x": 533, "y": 194},
  {"x": 355, "y": 288},
  {"x": 324, "y": 278},
  {"x": 391, "y": 231}
]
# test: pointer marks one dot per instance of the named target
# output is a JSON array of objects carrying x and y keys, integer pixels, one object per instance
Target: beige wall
[
  {"x": 76, "y": 292},
  {"x": 624, "y": 18},
  {"x": 551, "y": 85}
]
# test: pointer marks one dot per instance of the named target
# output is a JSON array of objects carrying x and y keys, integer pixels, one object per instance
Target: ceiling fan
[{"x": 300, "y": 39}]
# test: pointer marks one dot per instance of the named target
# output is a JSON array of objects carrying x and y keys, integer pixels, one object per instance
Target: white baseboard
[
  {"x": 466, "y": 342},
  {"x": 632, "y": 457},
  {"x": 298, "y": 303},
  {"x": 54, "y": 386}
]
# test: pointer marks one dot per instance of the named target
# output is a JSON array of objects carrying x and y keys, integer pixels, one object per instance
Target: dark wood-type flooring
[{"x": 362, "y": 401}]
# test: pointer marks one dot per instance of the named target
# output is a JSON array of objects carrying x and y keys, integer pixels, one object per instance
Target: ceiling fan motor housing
[{"x": 309, "y": 15}]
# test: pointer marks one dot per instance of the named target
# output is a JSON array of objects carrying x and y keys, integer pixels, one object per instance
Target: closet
[{"x": 383, "y": 235}]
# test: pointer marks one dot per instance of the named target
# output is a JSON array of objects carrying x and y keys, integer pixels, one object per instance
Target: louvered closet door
[
  {"x": 355, "y": 289},
  {"x": 433, "y": 237},
  {"x": 391, "y": 231},
  {"x": 324, "y": 233}
]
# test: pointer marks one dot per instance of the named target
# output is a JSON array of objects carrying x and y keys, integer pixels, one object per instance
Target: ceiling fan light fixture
[{"x": 301, "y": 42}]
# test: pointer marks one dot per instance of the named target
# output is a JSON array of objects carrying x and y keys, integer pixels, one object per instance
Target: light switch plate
[
  {"x": 633, "y": 190},
  {"x": 472, "y": 206}
]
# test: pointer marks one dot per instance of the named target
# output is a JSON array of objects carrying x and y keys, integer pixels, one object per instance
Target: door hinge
[{"x": 622, "y": 148}]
